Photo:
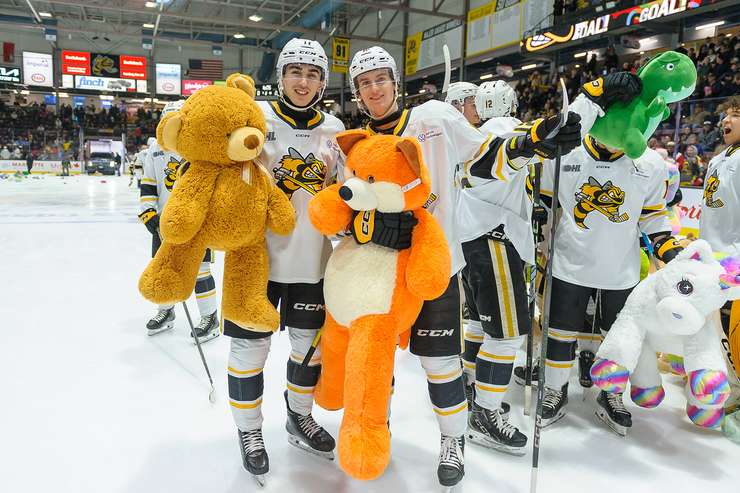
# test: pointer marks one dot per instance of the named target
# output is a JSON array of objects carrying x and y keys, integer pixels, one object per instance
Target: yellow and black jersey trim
[
  {"x": 147, "y": 215},
  {"x": 403, "y": 122},
  {"x": 314, "y": 121},
  {"x": 148, "y": 192},
  {"x": 598, "y": 152},
  {"x": 650, "y": 211},
  {"x": 732, "y": 149}
]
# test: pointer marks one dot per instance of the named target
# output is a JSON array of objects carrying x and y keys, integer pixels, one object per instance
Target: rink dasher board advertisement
[
  {"x": 39, "y": 167},
  {"x": 690, "y": 207}
]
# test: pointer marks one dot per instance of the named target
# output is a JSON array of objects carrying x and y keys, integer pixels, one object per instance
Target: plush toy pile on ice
[
  {"x": 372, "y": 293},
  {"x": 667, "y": 78},
  {"x": 672, "y": 311},
  {"x": 219, "y": 131}
]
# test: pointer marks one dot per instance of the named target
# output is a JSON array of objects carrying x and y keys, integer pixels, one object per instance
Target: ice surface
[{"x": 89, "y": 403}]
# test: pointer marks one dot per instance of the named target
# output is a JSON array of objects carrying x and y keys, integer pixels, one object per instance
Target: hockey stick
[
  {"x": 212, "y": 393},
  {"x": 312, "y": 349},
  {"x": 548, "y": 297},
  {"x": 448, "y": 71},
  {"x": 532, "y": 291}
]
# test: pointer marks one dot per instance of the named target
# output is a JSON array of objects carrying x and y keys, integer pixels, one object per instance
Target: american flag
[{"x": 205, "y": 69}]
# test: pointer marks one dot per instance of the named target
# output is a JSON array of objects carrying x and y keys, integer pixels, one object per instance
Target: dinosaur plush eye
[
  {"x": 685, "y": 287},
  {"x": 371, "y": 179},
  {"x": 669, "y": 67}
]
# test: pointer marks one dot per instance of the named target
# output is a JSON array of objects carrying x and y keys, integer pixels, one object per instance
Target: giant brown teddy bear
[{"x": 225, "y": 202}]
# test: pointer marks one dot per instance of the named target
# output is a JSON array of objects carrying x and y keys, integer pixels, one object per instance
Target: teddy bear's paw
[
  {"x": 364, "y": 450},
  {"x": 709, "y": 386},
  {"x": 258, "y": 315},
  {"x": 609, "y": 375},
  {"x": 164, "y": 285},
  {"x": 328, "y": 396},
  {"x": 649, "y": 397},
  {"x": 705, "y": 417}
]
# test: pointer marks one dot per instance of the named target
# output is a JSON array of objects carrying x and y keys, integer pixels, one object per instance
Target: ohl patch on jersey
[
  {"x": 709, "y": 191},
  {"x": 295, "y": 172},
  {"x": 606, "y": 199}
]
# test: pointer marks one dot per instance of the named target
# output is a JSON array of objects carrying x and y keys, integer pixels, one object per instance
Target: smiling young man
[
  {"x": 719, "y": 224},
  {"x": 302, "y": 156},
  {"x": 448, "y": 142}
]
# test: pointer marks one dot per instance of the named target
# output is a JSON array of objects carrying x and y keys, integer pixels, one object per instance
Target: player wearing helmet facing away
[
  {"x": 461, "y": 95},
  {"x": 448, "y": 142}
]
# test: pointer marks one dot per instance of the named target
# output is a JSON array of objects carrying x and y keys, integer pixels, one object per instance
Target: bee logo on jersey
[
  {"x": 297, "y": 172},
  {"x": 710, "y": 190},
  {"x": 606, "y": 199},
  {"x": 172, "y": 172}
]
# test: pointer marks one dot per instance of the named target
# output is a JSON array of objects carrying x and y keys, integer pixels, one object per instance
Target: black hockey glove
[
  {"x": 150, "y": 218},
  {"x": 388, "y": 229},
  {"x": 676, "y": 199},
  {"x": 665, "y": 247},
  {"x": 535, "y": 141},
  {"x": 617, "y": 86},
  {"x": 539, "y": 221}
]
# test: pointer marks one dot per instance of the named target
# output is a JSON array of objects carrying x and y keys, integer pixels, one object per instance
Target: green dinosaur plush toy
[{"x": 667, "y": 78}]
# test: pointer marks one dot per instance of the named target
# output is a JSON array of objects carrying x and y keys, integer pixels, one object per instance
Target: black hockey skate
[
  {"x": 163, "y": 320},
  {"x": 306, "y": 434},
  {"x": 554, "y": 405},
  {"x": 492, "y": 429},
  {"x": 208, "y": 328},
  {"x": 520, "y": 375},
  {"x": 585, "y": 361},
  {"x": 254, "y": 455},
  {"x": 470, "y": 396},
  {"x": 451, "y": 468},
  {"x": 611, "y": 411}
]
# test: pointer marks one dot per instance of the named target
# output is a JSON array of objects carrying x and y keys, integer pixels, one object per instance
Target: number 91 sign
[{"x": 340, "y": 55}]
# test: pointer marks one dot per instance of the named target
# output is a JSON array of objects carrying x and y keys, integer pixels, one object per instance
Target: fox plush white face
[
  {"x": 691, "y": 287},
  {"x": 384, "y": 172}
]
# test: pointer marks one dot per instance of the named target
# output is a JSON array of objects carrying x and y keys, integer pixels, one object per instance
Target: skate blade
[
  {"x": 260, "y": 479},
  {"x": 618, "y": 429},
  {"x": 549, "y": 422},
  {"x": 205, "y": 338},
  {"x": 302, "y": 446},
  {"x": 160, "y": 330},
  {"x": 482, "y": 440}
]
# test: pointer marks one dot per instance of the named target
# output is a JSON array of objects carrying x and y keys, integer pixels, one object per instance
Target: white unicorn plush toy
[{"x": 673, "y": 311}]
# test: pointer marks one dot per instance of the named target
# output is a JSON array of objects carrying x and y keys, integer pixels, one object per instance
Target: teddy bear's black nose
[{"x": 345, "y": 192}]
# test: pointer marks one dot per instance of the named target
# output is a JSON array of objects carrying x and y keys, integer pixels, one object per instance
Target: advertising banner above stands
[
  {"x": 75, "y": 62},
  {"x": 38, "y": 69},
  {"x": 424, "y": 49},
  {"x": 10, "y": 75},
  {"x": 493, "y": 26},
  {"x": 190, "y": 86},
  {"x": 608, "y": 22},
  {"x": 168, "y": 78},
  {"x": 132, "y": 67},
  {"x": 105, "y": 84}
]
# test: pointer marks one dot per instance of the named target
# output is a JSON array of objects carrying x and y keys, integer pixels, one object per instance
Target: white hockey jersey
[
  {"x": 486, "y": 204},
  {"x": 447, "y": 142},
  {"x": 161, "y": 171},
  {"x": 719, "y": 222},
  {"x": 302, "y": 162},
  {"x": 607, "y": 200}
]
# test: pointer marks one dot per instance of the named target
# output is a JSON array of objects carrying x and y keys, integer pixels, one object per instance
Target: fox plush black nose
[{"x": 345, "y": 193}]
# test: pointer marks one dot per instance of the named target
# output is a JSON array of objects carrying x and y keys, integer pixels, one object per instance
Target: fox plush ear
[
  {"x": 243, "y": 82},
  {"x": 411, "y": 150},
  {"x": 349, "y": 138},
  {"x": 168, "y": 130}
]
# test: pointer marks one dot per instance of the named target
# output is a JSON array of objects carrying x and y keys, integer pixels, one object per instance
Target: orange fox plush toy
[{"x": 372, "y": 293}]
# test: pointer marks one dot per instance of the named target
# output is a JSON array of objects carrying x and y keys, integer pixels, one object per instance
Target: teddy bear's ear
[
  {"x": 243, "y": 82},
  {"x": 412, "y": 152},
  {"x": 349, "y": 138},
  {"x": 168, "y": 130}
]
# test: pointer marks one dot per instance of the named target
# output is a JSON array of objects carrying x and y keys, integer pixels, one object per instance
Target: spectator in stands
[
  {"x": 699, "y": 115},
  {"x": 29, "y": 161},
  {"x": 710, "y": 137},
  {"x": 611, "y": 60}
]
